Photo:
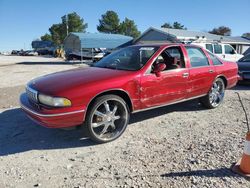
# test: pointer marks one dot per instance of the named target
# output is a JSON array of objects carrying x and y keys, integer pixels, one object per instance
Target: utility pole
[{"x": 67, "y": 26}]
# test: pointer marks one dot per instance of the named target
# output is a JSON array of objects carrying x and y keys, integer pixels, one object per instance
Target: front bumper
[{"x": 54, "y": 117}]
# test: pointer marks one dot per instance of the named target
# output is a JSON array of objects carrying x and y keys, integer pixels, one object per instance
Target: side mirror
[{"x": 159, "y": 68}]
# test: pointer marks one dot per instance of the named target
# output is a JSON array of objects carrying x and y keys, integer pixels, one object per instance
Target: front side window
[
  {"x": 229, "y": 50},
  {"x": 172, "y": 57},
  {"x": 209, "y": 47},
  {"x": 217, "y": 49},
  {"x": 176, "y": 52},
  {"x": 130, "y": 58},
  {"x": 215, "y": 60},
  {"x": 197, "y": 57}
]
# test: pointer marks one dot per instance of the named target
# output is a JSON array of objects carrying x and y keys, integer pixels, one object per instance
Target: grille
[{"x": 32, "y": 94}]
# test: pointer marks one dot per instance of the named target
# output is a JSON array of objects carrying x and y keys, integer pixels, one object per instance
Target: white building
[{"x": 154, "y": 35}]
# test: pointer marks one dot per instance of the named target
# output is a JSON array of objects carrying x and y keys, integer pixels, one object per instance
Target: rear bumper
[
  {"x": 244, "y": 76},
  {"x": 52, "y": 118}
]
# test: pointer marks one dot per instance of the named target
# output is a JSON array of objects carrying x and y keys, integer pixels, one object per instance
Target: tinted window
[
  {"x": 215, "y": 60},
  {"x": 229, "y": 50},
  {"x": 217, "y": 49},
  {"x": 209, "y": 47},
  {"x": 197, "y": 57},
  {"x": 245, "y": 58}
]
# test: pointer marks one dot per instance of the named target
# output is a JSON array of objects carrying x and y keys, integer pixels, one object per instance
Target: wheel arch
[
  {"x": 119, "y": 92},
  {"x": 224, "y": 79}
]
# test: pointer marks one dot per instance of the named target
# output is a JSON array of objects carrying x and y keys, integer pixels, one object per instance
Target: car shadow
[
  {"x": 219, "y": 172},
  {"x": 192, "y": 105},
  {"x": 19, "y": 134}
]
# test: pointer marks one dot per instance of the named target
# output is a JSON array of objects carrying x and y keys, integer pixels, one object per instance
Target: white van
[{"x": 223, "y": 51}]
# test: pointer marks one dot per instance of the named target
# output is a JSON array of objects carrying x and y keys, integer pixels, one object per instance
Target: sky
[{"x": 22, "y": 21}]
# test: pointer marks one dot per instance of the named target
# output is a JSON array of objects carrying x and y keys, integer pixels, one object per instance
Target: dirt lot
[
  {"x": 181, "y": 145},
  {"x": 16, "y": 71}
]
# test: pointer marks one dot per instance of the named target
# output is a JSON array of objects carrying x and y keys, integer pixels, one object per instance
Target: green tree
[
  {"x": 71, "y": 22},
  {"x": 175, "y": 25},
  {"x": 246, "y": 35},
  {"x": 167, "y": 25},
  {"x": 46, "y": 37},
  {"x": 56, "y": 32},
  {"x": 109, "y": 23},
  {"x": 74, "y": 23},
  {"x": 128, "y": 28},
  {"x": 222, "y": 30}
]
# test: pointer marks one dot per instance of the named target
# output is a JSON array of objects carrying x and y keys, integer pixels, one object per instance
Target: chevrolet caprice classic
[{"x": 129, "y": 80}]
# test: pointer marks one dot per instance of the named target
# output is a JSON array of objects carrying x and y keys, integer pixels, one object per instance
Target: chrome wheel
[
  {"x": 217, "y": 93},
  {"x": 109, "y": 119},
  {"x": 215, "y": 96}
]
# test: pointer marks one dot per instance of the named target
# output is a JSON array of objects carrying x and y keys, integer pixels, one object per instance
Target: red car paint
[{"x": 142, "y": 90}]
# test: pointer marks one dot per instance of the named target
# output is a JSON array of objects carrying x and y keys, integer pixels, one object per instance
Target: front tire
[
  {"x": 215, "y": 96},
  {"x": 107, "y": 118}
]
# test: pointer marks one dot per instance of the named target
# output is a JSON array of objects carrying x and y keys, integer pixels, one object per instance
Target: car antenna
[{"x": 248, "y": 129}]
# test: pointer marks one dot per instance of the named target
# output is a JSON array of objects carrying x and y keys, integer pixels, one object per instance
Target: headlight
[{"x": 54, "y": 101}]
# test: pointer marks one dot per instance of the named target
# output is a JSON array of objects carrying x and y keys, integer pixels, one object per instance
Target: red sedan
[{"x": 129, "y": 80}]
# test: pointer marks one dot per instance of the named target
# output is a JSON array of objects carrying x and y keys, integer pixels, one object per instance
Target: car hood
[
  {"x": 244, "y": 66},
  {"x": 55, "y": 83}
]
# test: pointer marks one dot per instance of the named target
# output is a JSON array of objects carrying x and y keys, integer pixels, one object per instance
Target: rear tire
[
  {"x": 215, "y": 96},
  {"x": 107, "y": 118}
]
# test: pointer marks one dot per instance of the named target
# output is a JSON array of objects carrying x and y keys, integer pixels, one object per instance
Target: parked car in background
[
  {"x": 15, "y": 52},
  {"x": 129, "y": 80},
  {"x": 30, "y": 53},
  {"x": 87, "y": 54},
  {"x": 223, "y": 51},
  {"x": 244, "y": 68},
  {"x": 45, "y": 52}
]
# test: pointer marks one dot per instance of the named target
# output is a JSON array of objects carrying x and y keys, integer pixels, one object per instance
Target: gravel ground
[
  {"x": 16, "y": 71},
  {"x": 181, "y": 145}
]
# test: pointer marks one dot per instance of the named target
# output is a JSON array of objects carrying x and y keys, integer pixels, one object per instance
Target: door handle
[
  {"x": 211, "y": 71},
  {"x": 185, "y": 75}
]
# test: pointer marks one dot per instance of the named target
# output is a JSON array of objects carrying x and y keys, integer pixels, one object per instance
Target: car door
[
  {"x": 201, "y": 72},
  {"x": 218, "y": 51},
  {"x": 230, "y": 54},
  {"x": 169, "y": 87}
]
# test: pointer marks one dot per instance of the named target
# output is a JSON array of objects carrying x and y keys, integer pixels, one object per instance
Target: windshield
[
  {"x": 130, "y": 58},
  {"x": 245, "y": 58}
]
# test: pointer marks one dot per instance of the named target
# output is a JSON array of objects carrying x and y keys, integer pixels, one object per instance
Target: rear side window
[
  {"x": 215, "y": 60},
  {"x": 217, "y": 49},
  {"x": 197, "y": 57},
  {"x": 209, "y": 47},
  {"x": 229, "y": 50}
]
